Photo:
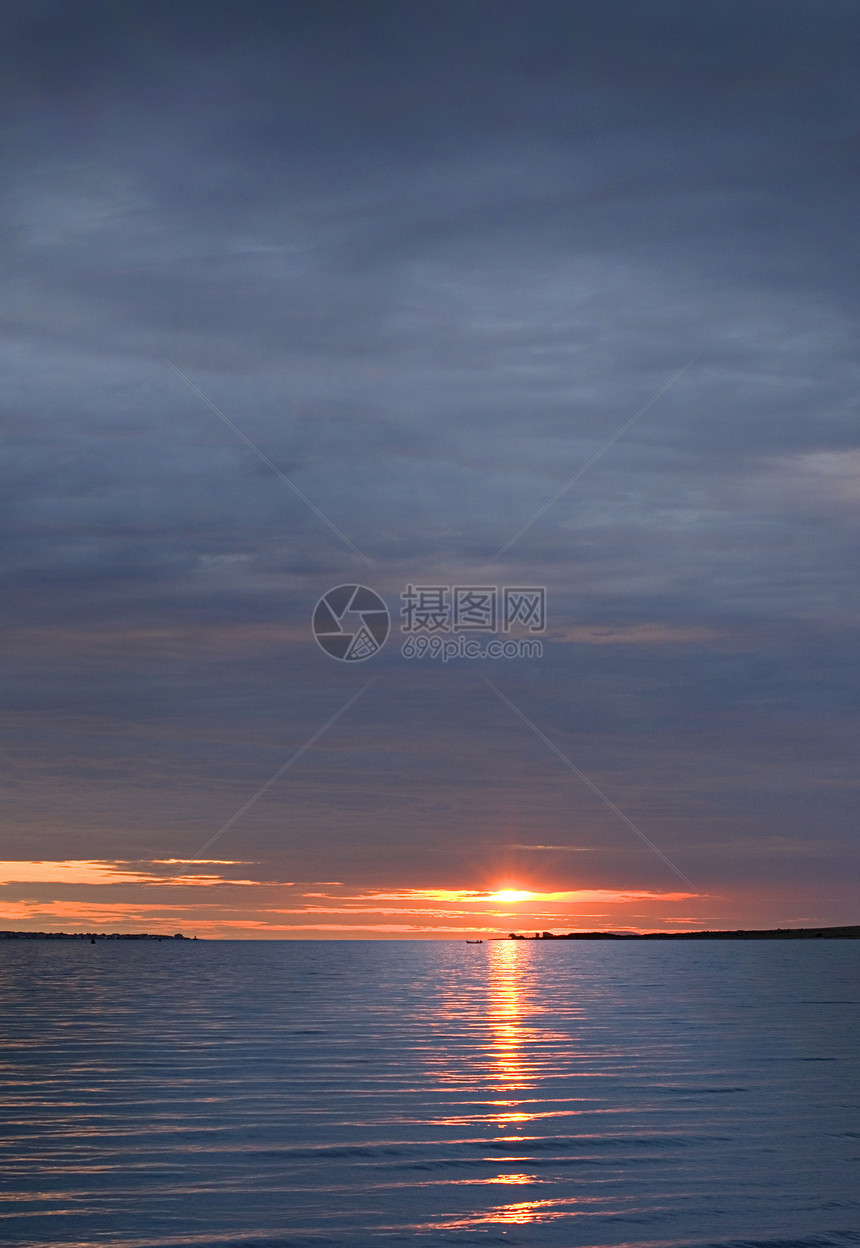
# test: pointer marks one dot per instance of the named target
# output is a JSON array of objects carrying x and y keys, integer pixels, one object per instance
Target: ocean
[{"x": 357, "y": 1093}]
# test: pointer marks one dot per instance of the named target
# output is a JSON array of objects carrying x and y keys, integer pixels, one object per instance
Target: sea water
[{"x": 357, "y": 1093}]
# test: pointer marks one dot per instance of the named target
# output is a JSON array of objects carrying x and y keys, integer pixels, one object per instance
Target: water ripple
[{"x": 278, "y": 1094}]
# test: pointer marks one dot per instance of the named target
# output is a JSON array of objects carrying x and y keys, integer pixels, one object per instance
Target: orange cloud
[
  {"x": 309, "y": 909},
  {"x": 73, "y": 871},
  {"x": 440, "y": 914},
  {"x": 473, "y": 896},
  {"x": 118, "y": 871},
  {"x": 205, "y": 862},
  {"x": 409, "y": 928},
  {"x": 73, "y": 911}
]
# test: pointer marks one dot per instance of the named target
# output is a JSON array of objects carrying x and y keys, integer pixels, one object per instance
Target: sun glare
[{"x": 512, "y": 894}]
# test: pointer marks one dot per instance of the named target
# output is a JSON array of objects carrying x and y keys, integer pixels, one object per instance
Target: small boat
[{"x": 474, "y": 942}]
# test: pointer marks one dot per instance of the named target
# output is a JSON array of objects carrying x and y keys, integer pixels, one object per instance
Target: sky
[{"x": 488, "y": 294}]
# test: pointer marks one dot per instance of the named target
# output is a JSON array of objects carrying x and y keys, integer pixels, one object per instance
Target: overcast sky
[{"x": 427, "y": 260}]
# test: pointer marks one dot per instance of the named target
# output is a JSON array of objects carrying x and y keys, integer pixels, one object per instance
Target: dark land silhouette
[
  {"x": 92, "y": 936},
  {"x": 772, "y": 933}
]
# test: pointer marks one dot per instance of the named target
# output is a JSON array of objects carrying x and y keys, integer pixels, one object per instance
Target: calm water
[{"x": 357, "y": 1093}]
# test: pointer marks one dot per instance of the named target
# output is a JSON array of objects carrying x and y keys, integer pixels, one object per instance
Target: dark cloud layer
[{"x": 429, "y": 259}]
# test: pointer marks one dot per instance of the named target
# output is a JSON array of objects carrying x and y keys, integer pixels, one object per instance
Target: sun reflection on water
[
  {"x": 513, "y": 1179},
  {"x": 505, "y": 1082},
  {"x": 506, "y": 1015}
]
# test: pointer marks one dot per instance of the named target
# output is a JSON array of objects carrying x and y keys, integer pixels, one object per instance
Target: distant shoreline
[
  {"x": 93, "y": 936},
  {"x": 772, "y": 933}
]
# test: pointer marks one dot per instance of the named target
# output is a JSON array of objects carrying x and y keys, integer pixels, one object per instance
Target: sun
[{"x": 512, "y": 894}]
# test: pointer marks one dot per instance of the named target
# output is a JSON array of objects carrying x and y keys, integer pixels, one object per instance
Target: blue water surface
[{"x": 267, "y": 1094}]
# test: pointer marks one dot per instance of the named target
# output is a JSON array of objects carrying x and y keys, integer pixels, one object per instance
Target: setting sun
[{"x": 512, "y": 894}]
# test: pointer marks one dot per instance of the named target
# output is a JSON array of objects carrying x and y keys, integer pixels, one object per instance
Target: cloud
[
  {"x": 72, "y": 872},
  {"x": 631, "y": 634},
  {"x": 564, "y": 849},
  {"x": 75, "y": 913},
  {"x": 428, "y": 263},
  {"x": 476, "y": 898},
  {"x": 111, "y": 873}
]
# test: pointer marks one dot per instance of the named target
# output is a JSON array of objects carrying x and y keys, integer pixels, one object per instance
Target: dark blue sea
[{"x": 360, "y": 1093}]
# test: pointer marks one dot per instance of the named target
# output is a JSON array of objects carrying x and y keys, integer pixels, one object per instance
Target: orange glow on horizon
[{"x": 206, "y": 897}]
